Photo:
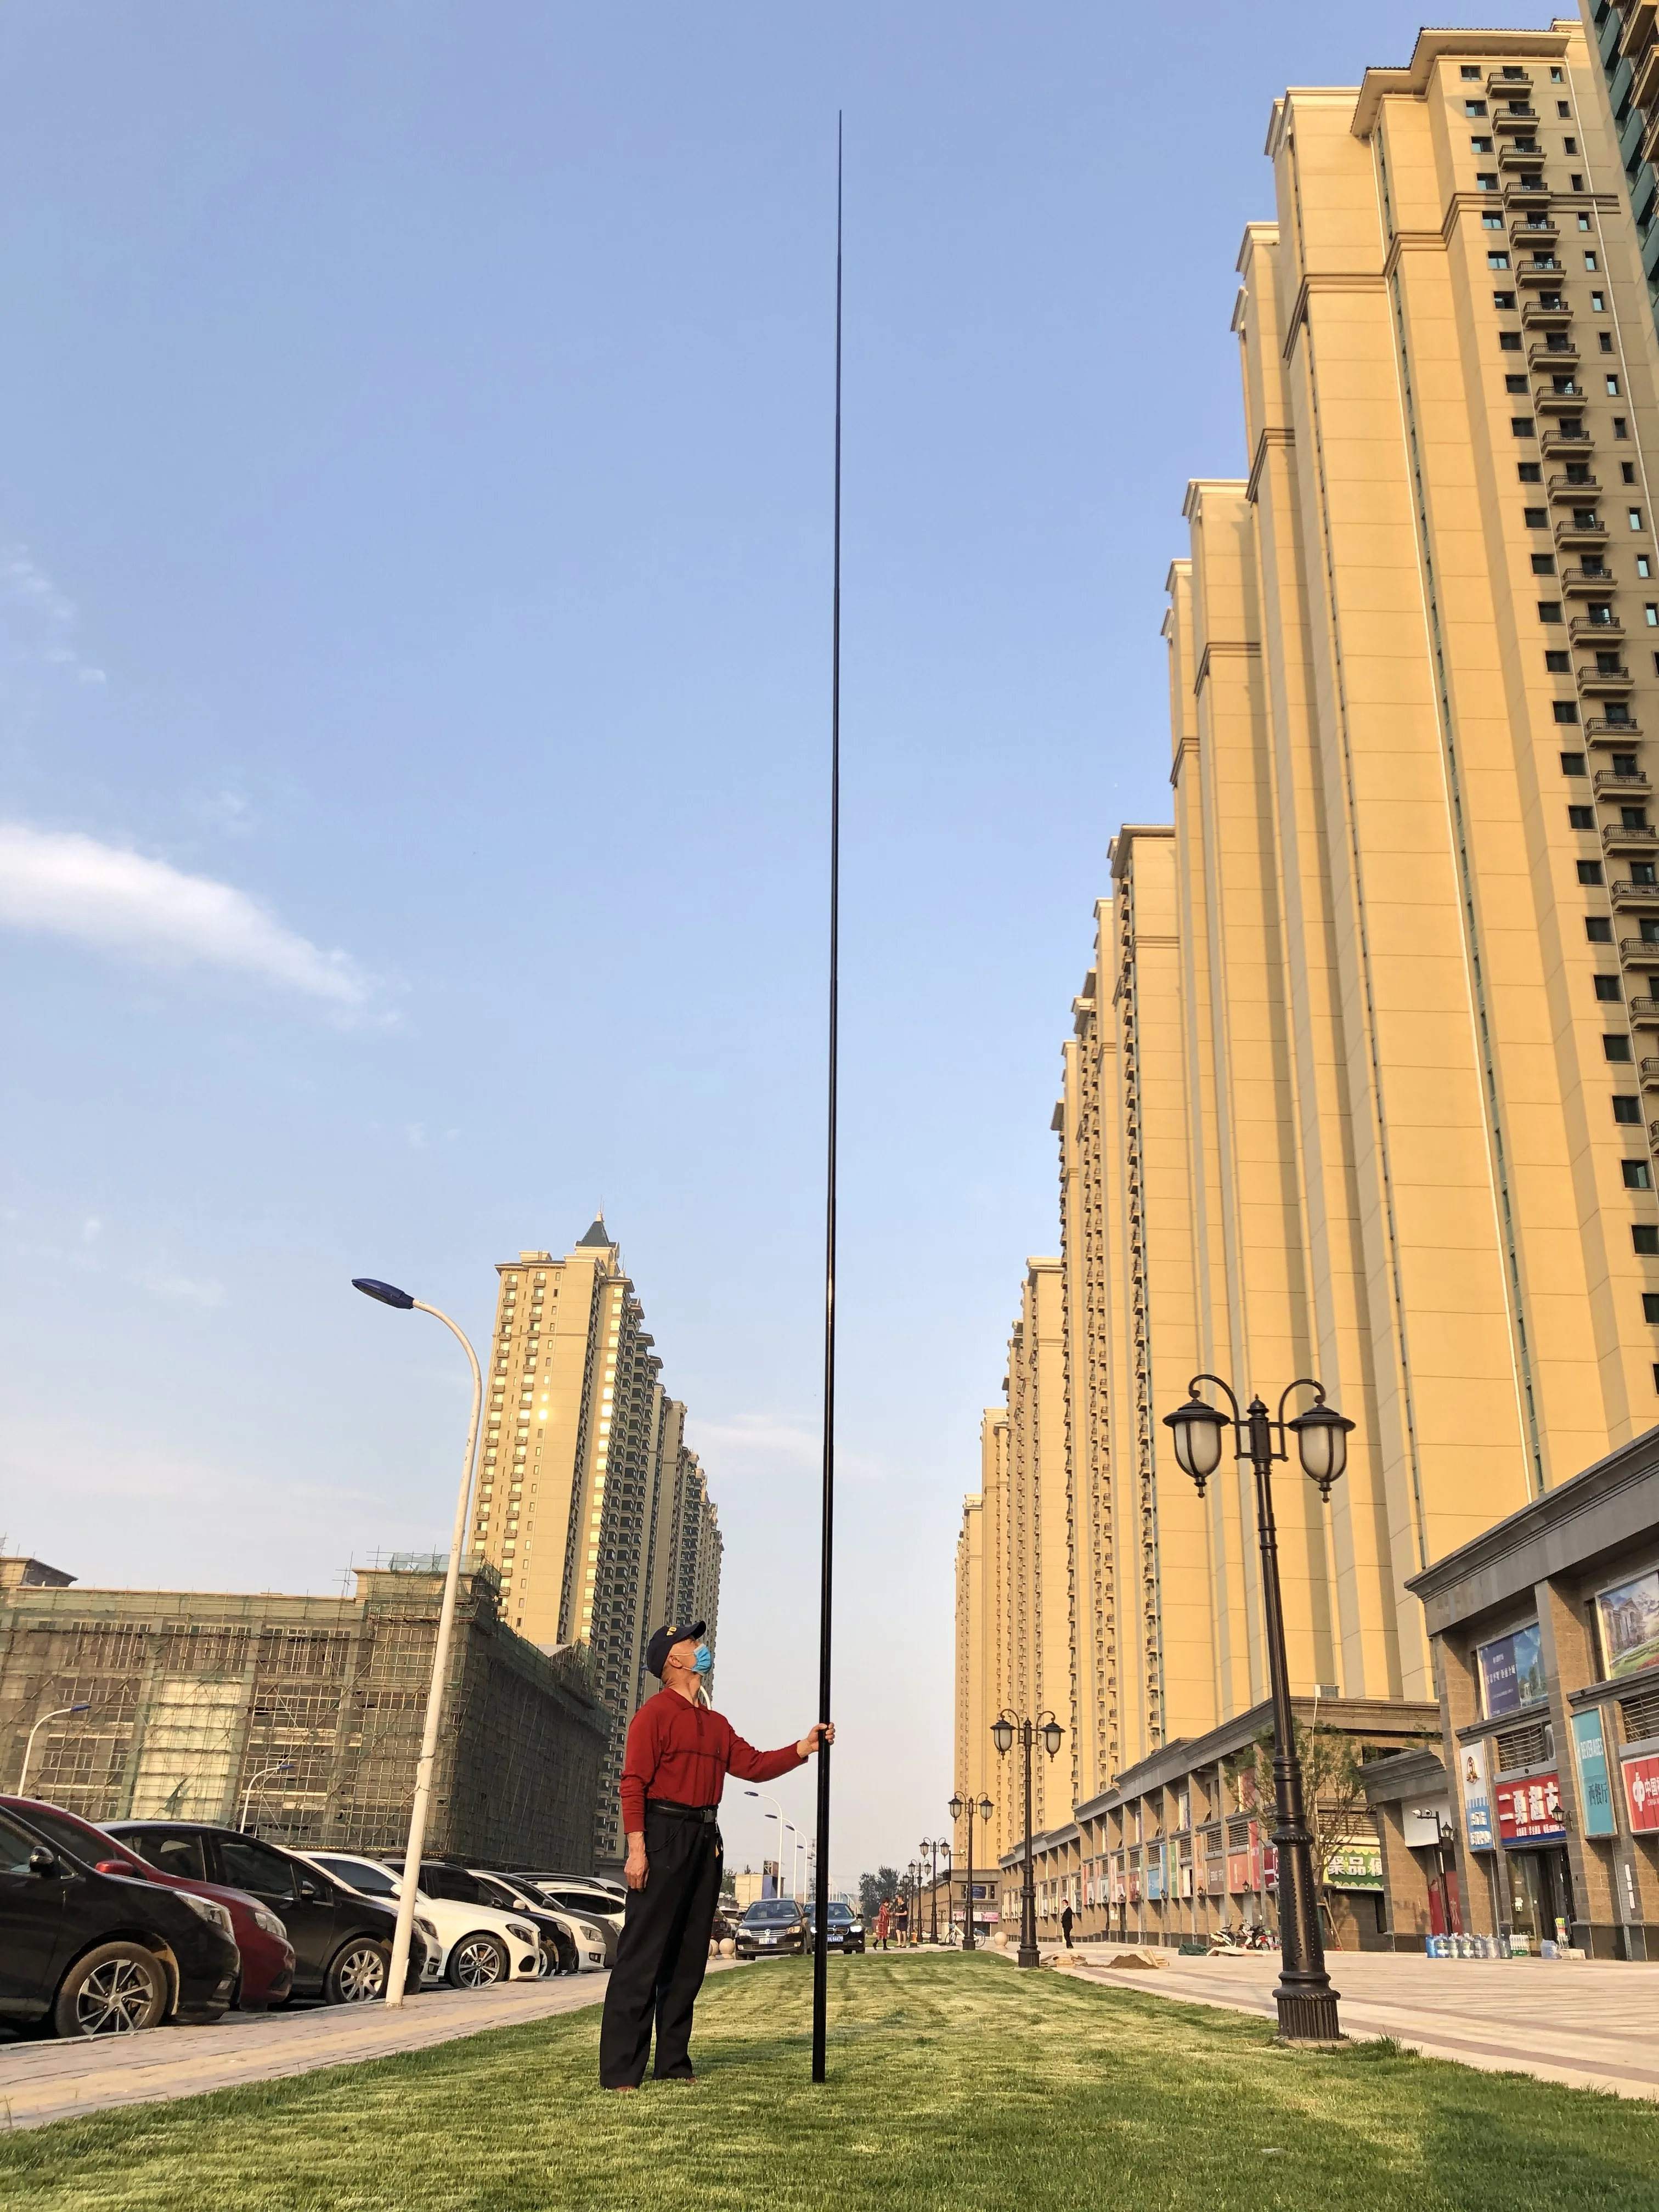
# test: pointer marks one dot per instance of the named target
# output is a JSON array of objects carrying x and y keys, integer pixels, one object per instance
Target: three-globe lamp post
[
  {"x": 1005, "y": 1727},
  {"x": 1305, "y": 1999}
]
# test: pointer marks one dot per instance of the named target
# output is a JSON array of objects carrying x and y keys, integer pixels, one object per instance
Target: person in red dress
[{"x": 679, "y": 1752}]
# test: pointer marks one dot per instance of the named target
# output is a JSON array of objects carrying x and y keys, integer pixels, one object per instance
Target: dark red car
[{"x": 267, "y": 1975}]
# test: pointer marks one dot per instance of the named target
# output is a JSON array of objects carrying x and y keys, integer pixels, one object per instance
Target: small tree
[
  {"x": 1333, "y": 1791},
  {"x": 877, "y": 1889}
]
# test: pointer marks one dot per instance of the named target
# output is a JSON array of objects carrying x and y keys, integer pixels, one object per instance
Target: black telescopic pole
[
  {"x": 821, "y": 1917},
  {"x": 967, "y": 1936}
]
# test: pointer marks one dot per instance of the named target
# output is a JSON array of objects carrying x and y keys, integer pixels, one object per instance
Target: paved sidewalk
[
  {"x": 1585, "y": 2022},
  {"x": 58, "y": 2081}
]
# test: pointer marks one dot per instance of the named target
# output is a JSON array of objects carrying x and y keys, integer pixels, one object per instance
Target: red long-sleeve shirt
[{"x": 683, "y": 1753}]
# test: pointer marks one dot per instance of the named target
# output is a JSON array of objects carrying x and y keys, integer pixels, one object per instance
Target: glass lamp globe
[
  {"x": 1321, "y": 1439},
  {"x": 1197, "y": 1430},
  {"x": 1002, "y": 1735}
]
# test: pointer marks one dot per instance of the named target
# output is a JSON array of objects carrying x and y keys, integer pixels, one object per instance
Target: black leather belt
[{"x": 704, "y": 1812}]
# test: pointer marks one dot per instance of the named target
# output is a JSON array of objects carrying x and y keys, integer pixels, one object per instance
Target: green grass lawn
[{"x": 954, "y": 2081}]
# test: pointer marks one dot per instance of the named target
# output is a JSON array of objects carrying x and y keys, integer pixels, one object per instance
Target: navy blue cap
[{"x": 657, "y": 1650}]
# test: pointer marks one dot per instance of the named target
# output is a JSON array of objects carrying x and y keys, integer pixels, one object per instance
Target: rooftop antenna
[{"x": 821, "y": 1886}]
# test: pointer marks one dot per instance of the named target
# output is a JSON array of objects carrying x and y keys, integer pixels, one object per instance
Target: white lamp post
[
  {"x": 282, "y": 1766},
  {"x": 389, "y": 1295},
  {"x": 28, "y": 1748}
]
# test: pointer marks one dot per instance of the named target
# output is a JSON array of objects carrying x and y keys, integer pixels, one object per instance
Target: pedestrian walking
[
  {"x": 679, "y": 1752},
  {"x": 884, "y": 1924},
  {"x": 1065, "y": 1924}
]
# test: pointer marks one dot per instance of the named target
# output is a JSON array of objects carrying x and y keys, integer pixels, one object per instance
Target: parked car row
[{"x": 103, "y": 1930}]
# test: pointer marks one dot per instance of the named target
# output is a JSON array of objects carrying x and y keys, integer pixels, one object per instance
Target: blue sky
[{"x": 414, "y": 570}]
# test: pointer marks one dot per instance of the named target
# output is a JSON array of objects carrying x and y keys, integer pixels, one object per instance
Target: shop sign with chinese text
[
  {"x": 1529, "y": 1812},
  {"x": 1642, "y": 1793},
  {"x": 1476, "y": 1801},
  {"x": 1594, "y": 1785}
]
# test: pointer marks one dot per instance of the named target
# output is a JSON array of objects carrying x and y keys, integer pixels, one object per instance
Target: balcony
[
  {"x": 1608, "y": 732},
  {"x": 1640, "y": 17},
  {"x": 1630, "y": 837},
  {"x": 1558, "y": 443},
  {"x": 1584, "y": 629},
  {"x": 1605, "y": 784},
  {"x": 1525, "y": 154},
  {"x": 1571, "y": 401},
  {"x": 1644, "y": 91},
  {"x": 1648, "y": 1073},
  {"x": 1584, "y": 533},
  {"x": 1638, "y": 952},
  {"x": 1603, "y": 682},
  {"x": 1510, "y": 83},
  {"x": 1544, "y": 269},
  {"x": 1516, "y": 115},
  {"x": 1559, "y": 353},
  {"x": 1537, "y": 230},
  {"x": 1644, "y": 1012},
  {"x": 1632, "y": 898},
  {"x": 1580, "y": 491},
  {"x": 1524, "y": 191},
  {"x": 1585, "y": 583},
  {"x": 1535, "y": 316}
]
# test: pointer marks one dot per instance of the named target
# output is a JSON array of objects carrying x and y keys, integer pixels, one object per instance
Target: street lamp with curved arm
[
  {"x": 1004, "y": 1729},
  {"x": 389, "y": 1295},
  {"x": 283, "y": 1767},
  {"x": 84, "y": 1707},
  {"x": 776, "y": 1813}
]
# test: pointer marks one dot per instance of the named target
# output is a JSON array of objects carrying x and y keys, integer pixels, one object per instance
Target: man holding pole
[{"x": 679, "y": 1753}]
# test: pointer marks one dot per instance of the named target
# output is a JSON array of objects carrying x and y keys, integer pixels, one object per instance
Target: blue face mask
[{"x": 703, "y": 1660}]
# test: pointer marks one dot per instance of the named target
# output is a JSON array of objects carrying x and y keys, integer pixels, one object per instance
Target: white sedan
[{"x": 479, "y": 1946}]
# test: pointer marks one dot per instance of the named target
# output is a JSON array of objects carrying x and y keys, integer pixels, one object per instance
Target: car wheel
[
  {"x": 477, "y": 1961},
  {"x": 114, "y": 1990},
  {"x": 358, "y": 1972},
  {"x": 547, "y": 1963}
]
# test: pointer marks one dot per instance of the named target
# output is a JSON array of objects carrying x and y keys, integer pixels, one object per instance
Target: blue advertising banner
[
  {"x": 1590, "y": 1745},
  {"x": 1512, "y": 1671}
]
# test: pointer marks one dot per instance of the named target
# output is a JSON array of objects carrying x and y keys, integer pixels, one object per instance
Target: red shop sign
[
  {"x": 1530, "y": 1812},
  {"x": 1642, "y": 1793}
]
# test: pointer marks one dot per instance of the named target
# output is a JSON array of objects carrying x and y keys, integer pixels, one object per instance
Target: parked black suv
[
  {"x": 98, "y": 1954},
  {"x": 341, "y": 1942}
]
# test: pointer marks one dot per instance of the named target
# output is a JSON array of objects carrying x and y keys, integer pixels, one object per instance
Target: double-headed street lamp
[
  {"x": 956, "y": 1808},
  {"x": 931, "y": 1848},
  {"x": 1003, "y": 1729},
  {"x": 1306, "y": 2000}
]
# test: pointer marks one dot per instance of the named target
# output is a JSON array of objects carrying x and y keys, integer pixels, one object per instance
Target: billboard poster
[
  {"x": 1628, "y": 1617},
  {"x": 1590, "y": 1747},
  {"x": 1642, "y": 1793},
  {"x": 1529, "y": 1812},
  {"x": 1356, "y": 1864},
  {"x": 1512, "y": 1671},
  {"x": 1476, "y": 1801}
]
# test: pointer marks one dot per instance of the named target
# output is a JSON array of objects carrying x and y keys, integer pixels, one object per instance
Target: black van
[{"x": 98, "y": 1954}]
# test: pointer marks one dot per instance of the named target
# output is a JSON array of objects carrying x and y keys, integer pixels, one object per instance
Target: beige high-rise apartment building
[
  {"x": 590, "y": 1505},
  {"x": 1363, "y": 1076}
]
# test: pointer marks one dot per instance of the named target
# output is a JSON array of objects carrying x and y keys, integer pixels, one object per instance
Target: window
[
  {"x": 1549, "y": 611},
  {"x": 1559, "y": 663},
  {"x": 1474, "y": 108},
  {"x": 1644, "y": 1239},
  {"x": 1481, "y": 145},
  {"x": 1503, "y": 301},
  {"x": 245, "y": 1864},
  {"x": 1589, "y": 259},
  {"x": 1515, "y": 384},
  {"x": 1607, "y": 989},
  {"x": 1605, "y": 338},
  {"x": 1598, "y": 303},
  {"x": 1501, "y": 261},
  {"x": 1581, "y": 818},
  {"x": 1491, "y": 222},
  {"x": 1650, "y": 1306},
  {"x": 1485, "y": 180},
  {"x": 1570, "y": 146},
  {"x": 1556, "y": 77},
  {"x": 1612, "y": 382},
  {"x": 1642, "y": 566},
  {"x": 1543, "y": 564},
  {"x": 1530, "y": 471},
  {"x": 1590, "y": 871},
  {"x": 1636, "y": 1174},
  {"x": 1577, "y": 184},
  {"x": 1521, "y": 426},
  {"x": 1567, "y": 710},
  {"x": 1597, "y": 928},
  {"x": 1626, "y": 1107},
  {"x": 1509, "y": 342},
  {"x": 1573, "y": 763},
  {"x": 1617, "y": 1048},
  {"x": 1536, "y": 518},
  {"x": 1636, "y": 518},
  {"x": 1650, "y": 615},
  {"x": 1469, "y": 70},
  {"x": 1621, "y": 429}
]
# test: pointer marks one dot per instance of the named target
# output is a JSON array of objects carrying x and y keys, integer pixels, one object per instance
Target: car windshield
[
  {"x": 89, "y": 1845},
  {"x": 770, "y": 1910},
  {"x": 839, "y": 1912},
  {"x": 360, "y": 1874}
]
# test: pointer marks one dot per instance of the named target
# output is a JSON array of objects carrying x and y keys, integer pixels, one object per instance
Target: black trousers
[{"x": 663, "y": 1953}]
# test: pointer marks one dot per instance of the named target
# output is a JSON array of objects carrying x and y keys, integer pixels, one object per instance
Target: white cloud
[
  {"x": 165, "y": 1283},
  {"x": 39, "y": 620},
  {"x": 142, "y": 910}
]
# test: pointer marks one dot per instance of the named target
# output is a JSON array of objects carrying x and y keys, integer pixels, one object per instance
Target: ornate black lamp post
[
  {"x": 932, "y": 1846},
  {"x": 1306, "y": 2000},
  {"x": 1003, "y": 1729},
  {"x": 956, "y": 1808}
]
